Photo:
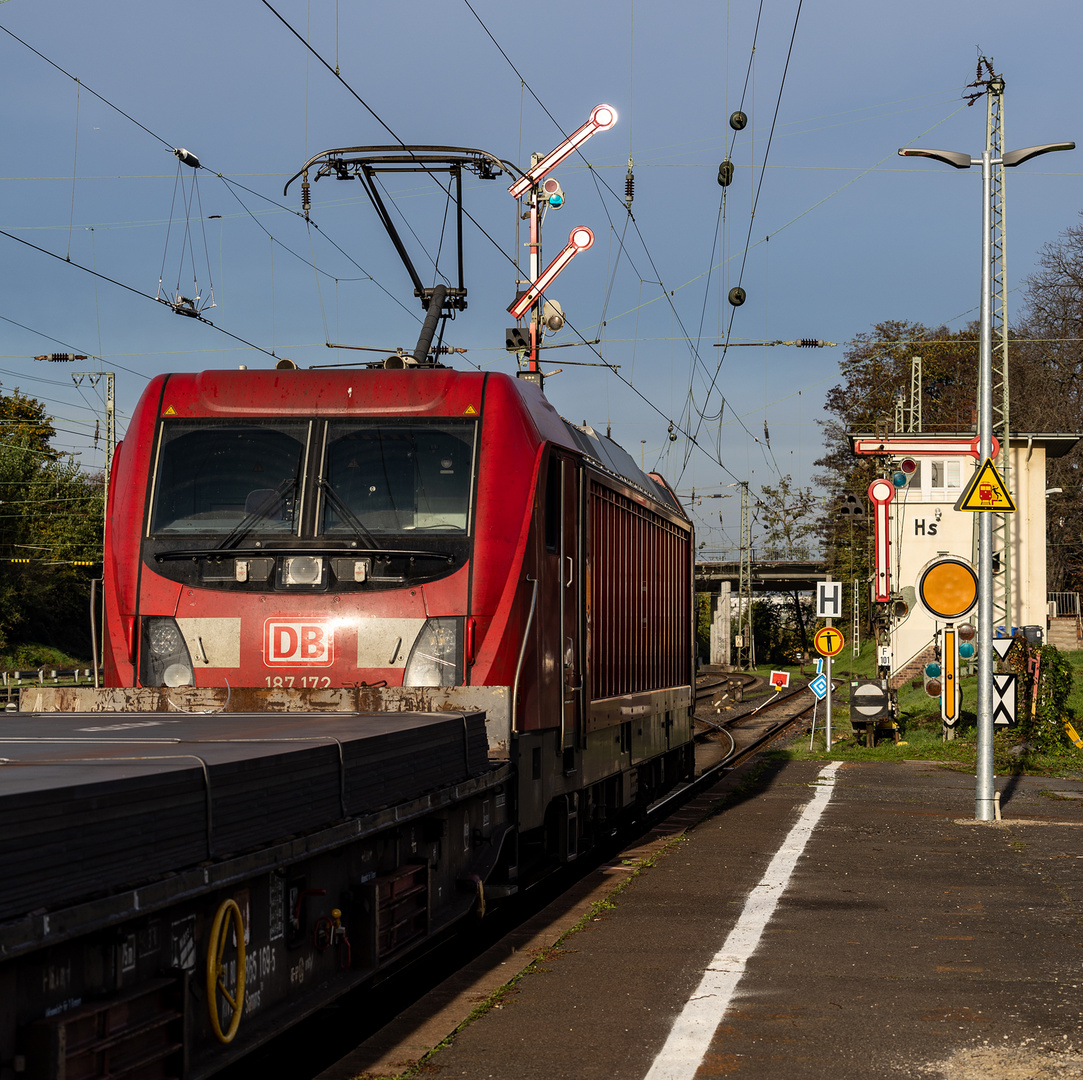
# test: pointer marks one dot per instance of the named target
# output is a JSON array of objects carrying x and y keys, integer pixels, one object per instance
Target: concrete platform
[{"x": 909, "y": 940}]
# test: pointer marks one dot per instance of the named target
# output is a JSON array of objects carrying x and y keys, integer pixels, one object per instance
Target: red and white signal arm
[
  {"x": 780, "y": 680},
  {"x": 579, "y": 239},
  {"x": 602, "y": 118},
  {"x": 909, "y": 445},
  {"x": 881, "y": 492}
]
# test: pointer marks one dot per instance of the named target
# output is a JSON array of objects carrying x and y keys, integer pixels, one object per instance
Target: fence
[
  {"x": 11, "y": 682},
  {"x": 47, "y": 675},
  {"x": 1065, "y": 603}
]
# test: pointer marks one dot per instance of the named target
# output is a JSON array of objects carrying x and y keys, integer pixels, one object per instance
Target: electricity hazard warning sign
[{"x": 986, "y": 491}]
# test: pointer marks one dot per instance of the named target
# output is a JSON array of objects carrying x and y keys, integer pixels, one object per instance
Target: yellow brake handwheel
[{"x": 227, "y": 917}]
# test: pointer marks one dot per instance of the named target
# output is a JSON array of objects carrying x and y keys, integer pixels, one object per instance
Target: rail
[{"x": 738, "y": 755}]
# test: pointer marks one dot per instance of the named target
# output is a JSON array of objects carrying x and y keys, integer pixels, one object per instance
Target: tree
[
  {"x": 1047, "y": 392},
  {"x": 50, "y": 529},
  {"x": 24, "y": 417},
  {"x": 875, "y": 371},
  {"x": 788, "y": 514},
  {"x": 1046, "y": 395},
  {"x": 704, "y": 606}
]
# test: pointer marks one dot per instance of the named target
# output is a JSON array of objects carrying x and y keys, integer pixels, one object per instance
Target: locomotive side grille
[{"x": 640, "y": 638}]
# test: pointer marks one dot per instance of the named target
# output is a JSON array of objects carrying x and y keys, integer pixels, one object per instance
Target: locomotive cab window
[
  {"x": 214, "y": 478},
  {"x": 397, "y": 477}
]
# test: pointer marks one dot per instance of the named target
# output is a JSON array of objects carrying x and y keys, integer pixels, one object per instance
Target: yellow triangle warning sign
[
  {"x": 986, "y": 491},
  {"x": 470, "y": 411},
  {"x": 170, "y": 411}
]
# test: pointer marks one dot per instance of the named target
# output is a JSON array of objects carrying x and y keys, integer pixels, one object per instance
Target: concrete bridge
[{"x": 768, "y": 575}]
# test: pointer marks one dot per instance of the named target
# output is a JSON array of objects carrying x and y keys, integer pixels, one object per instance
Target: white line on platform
[{"x": 693, "y": 1030}]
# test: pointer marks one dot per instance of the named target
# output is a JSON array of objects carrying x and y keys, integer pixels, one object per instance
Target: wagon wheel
[{"x": 228, "y": 917}]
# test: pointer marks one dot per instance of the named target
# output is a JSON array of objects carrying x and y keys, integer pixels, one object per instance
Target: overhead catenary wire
[
  {"x": 600, "y": 182},
  {"x": 276, "y": 242},
  {"x": 614, "y": 300},
  {"x": 597, "y": 179},
  {"x": 759, "y": 186},
  {"x": 195, "y": 164},
  {"x": 130, "y": 288}
]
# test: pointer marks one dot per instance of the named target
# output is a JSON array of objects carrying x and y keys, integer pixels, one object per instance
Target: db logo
[{"x": 297, "y": 641}]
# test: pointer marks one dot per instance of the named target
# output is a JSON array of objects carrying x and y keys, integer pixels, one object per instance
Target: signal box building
[{"x": 924, "y": 524}]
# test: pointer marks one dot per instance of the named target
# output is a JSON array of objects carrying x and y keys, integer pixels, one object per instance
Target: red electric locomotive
[
  {"x": 423, "y": 536},
  {"x": 374, "y": 640}
]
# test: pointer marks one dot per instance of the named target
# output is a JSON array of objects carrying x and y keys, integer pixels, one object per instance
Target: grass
[
  {"x": 921, "y": 730},
  {"x": 32, "y": 656}
]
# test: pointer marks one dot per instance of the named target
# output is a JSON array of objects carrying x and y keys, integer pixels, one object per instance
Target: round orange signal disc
[{"x": 948, "y": 588}]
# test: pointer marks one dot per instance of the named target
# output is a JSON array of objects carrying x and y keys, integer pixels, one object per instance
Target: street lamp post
[{"x": 984, "y": 809}]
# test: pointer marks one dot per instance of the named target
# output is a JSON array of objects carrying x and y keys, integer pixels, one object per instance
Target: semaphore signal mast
[{"x": 540, "y": 193}]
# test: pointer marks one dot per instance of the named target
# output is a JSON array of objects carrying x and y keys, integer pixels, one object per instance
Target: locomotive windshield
[
  {"x": 403, "y": 476},
  {"x": 215, "y": 479},
  {"x": 247, "y": 481}
]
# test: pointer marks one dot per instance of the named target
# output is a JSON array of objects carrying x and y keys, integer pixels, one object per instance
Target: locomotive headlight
[
  {"x": 437, "y": 656},
  {"x": 165, "y": 660},
  {"x": 302, "y": 570}
]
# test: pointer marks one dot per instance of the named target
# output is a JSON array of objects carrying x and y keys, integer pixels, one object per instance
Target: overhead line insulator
[{"x": 185, "y": 157}]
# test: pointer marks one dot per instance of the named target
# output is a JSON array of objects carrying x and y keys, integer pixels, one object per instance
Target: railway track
[
  {"x": 732, "y": 728},
  {"x": 730, "y": 732}
]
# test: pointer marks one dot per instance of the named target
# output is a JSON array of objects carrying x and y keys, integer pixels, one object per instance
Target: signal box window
[
  {"x": 213, "y": 478},
  {"x": 398, "y": 477},
  {"x": 944, "y": 475}
]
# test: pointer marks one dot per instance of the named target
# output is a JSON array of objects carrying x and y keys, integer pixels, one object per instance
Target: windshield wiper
[
  {"x": 347, "y": 514},
  {"x": 271, "y": 499}
]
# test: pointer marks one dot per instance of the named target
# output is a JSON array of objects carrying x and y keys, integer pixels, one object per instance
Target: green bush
[{"x": 1043, "y": 712}]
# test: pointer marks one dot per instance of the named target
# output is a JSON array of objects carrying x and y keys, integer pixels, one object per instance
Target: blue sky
[{"x": 844, "y": 232}]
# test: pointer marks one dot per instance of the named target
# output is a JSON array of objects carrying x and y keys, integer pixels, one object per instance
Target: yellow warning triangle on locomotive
[{"x": 986, "y": 491}]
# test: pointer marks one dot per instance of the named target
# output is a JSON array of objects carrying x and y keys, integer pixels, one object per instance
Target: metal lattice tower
[
  {"x": 994, "y": 142},
  {"x": 915, "y": 393},
  {"x": 746, "y": 650},
  {"x": 110, "y": 430},
  {"x": 94, "y": 377},
  {"x": 855, "y": 603}
]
